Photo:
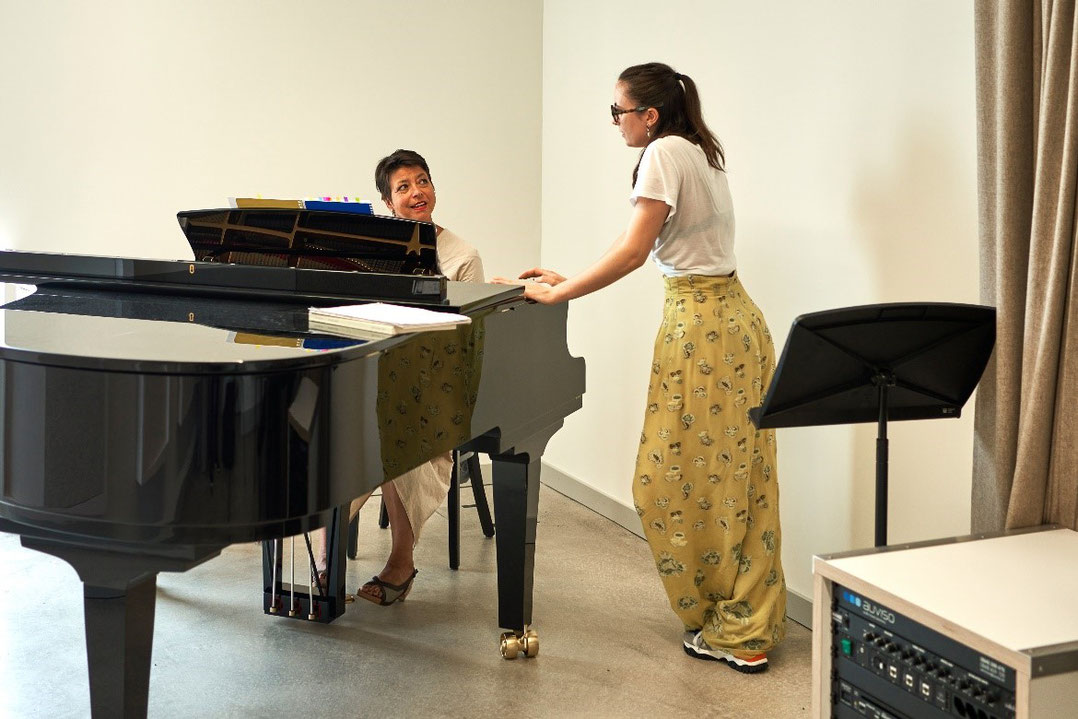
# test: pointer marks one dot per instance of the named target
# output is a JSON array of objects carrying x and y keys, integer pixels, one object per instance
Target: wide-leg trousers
[{"x": 706, "y": 484}]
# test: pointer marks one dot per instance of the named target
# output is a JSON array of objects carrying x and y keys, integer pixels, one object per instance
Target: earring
[{"x": 649, "y": 130}]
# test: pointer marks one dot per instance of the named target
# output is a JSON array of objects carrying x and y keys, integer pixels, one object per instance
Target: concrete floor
[{"x": 610, "y": 647}]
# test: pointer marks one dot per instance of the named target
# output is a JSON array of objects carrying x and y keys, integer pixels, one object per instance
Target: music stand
[{"x": 883, "y": 362}]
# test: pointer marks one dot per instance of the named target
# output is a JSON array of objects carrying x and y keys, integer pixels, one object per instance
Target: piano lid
[
  {"x": 216, "y": 279},
  {"x": 311, "y": 239}
]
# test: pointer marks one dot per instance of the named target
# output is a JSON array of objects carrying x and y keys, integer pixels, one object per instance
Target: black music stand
[{"x": 898, "y": 361}]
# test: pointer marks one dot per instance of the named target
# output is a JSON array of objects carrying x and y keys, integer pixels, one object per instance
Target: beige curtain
[{"x": 1025, "y": 470}]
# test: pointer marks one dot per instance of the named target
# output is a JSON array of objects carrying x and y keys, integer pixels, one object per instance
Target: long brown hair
[{"x": 674, "y": 95}]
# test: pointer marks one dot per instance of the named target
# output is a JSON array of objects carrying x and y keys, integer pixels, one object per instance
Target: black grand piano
[{"x": 155, "y": 412}]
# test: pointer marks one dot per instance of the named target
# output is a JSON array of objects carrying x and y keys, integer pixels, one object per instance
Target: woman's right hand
[{"x": 548, "y": 276}]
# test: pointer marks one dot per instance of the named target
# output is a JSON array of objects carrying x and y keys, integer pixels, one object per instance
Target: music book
[
  {"x": 332, "y": 205},
  {"x": 358, "y": 208},
  {"x": 264, "y": 202},
  {"x": 380, "y": 319}
]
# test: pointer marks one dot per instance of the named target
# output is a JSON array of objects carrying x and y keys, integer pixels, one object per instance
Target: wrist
[{"x": 558, "y": 293}]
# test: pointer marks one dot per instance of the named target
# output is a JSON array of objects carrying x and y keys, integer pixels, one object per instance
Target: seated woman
[{"x": 403, "y": 180}]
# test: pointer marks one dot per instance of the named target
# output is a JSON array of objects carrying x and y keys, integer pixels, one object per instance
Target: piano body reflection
[{"x": 144, "y": 431}]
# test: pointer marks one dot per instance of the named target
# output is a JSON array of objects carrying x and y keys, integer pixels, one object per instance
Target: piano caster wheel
[
  {"x": 531, "y": 643},
  {"x": 510, "y": 645},
  {"x": 514, "y": 644},
  {"x": 349, "y": 598}
]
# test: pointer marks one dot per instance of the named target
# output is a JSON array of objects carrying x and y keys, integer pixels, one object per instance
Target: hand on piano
[
  {"x": 537, "y": 284},
  {"x": 548, "y": 277}
]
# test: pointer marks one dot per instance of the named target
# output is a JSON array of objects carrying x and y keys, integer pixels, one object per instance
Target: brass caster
[
  {"x": 510, "y": 645},
  {"x": 530, "y": 642},
  {"x": 526, "y": 643},
  {"x": 349, "y": 598}
]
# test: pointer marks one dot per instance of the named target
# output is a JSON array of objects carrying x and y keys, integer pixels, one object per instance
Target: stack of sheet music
[{"x": 378, "y": 319}]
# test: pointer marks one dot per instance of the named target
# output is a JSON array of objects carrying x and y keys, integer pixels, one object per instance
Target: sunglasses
[{"x": 616, "y": 112}]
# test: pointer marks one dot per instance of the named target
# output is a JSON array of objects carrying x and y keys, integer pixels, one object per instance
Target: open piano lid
[
  {"x": 311, "y": 239},
  {"x": 313, "y": 256}
]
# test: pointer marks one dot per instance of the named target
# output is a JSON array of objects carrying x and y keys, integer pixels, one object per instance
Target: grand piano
[{"x": 155, "y": 412}]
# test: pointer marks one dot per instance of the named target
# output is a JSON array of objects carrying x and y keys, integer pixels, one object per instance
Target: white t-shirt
[
  {"x": 458, "y": 260},
  {"x": 698, "y": 235}
]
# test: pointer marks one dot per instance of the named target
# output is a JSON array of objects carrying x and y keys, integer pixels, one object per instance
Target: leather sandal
[{"x": 389, "y": 592}]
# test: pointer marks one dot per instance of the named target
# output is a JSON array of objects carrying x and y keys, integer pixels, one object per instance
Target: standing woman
[{"x": 706, "y": 486}]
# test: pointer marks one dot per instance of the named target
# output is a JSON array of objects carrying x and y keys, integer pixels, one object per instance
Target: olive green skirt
[{"x": 706, "y": 484}]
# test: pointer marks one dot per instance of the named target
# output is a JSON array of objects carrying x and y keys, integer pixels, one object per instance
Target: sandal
[{"x": 389, "y": 592}]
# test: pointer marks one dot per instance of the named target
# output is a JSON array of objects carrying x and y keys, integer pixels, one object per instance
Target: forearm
[
  {"x": 618, "y": 261},
  {"x": 627, "y": 253}
]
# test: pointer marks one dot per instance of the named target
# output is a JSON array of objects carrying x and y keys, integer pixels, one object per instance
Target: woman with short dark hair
[{"x": 404, "y": 182}]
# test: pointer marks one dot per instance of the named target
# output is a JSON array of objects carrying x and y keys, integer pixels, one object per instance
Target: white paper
[{"x": 397, "y": 315}]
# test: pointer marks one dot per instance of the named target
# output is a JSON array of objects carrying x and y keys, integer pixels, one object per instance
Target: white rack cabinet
[{"x": 1012, "y": 599}]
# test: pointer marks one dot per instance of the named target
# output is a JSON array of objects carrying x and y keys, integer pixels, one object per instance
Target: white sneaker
[{"x": 697, "y": 648}]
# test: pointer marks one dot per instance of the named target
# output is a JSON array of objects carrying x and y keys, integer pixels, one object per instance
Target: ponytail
[
  {"x": 701, "y": 133},
  {"x": 655, "y": 84}
]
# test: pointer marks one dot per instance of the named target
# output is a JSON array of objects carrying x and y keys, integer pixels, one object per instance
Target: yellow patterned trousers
[{"x": 706, "y": 484}]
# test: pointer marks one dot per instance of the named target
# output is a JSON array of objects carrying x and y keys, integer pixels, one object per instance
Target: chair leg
[
  {"x": 480, "y": 494},
  {"x": 383, "y": 515},
  {"x": 453, "y": 508},
  {"x": 353, "y": 537}
]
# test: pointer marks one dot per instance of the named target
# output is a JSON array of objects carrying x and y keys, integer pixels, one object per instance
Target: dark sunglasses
[{"x": 616, "y": 112}]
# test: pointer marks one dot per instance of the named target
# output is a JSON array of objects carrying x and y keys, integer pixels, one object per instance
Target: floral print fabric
[
  {"x": 706, "y": 484},
  {"x": 427, "y": 391}
]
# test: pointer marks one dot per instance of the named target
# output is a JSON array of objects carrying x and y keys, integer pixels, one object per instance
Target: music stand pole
[{"x": 882, "y": 380}]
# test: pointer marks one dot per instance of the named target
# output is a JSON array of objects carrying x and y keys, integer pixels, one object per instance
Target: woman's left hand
[
  {"x": 533, "y": 291},
  {"x": 539, "y": 292}
]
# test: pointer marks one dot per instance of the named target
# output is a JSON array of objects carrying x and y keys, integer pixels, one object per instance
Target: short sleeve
[
  {"x": 470, "y": 270},
  {"x": 458, "y": 260},
  {"x": 658, "y": 177}
]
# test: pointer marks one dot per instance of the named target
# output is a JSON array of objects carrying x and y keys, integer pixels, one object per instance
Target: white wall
[
  {"x": 849, "y": 129},
  {"x": 115, "y": 115},
  {"x": 850, "y": 138}
]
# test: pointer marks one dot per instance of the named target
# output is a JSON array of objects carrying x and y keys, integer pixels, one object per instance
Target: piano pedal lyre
[
  {"x": 321, "y": 598},
  {"x": 514, "y": 644}
]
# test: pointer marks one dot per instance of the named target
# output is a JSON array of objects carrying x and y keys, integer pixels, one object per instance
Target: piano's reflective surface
[{"x": 145, "y": 427}]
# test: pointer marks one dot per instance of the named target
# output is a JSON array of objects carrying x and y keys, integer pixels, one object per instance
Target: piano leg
[
  {"x": 516, "y": 510},
  {"x": 516, "y": 507},
  {"x": 119, "y": 593},
  {"x": 119, "y": 641}
]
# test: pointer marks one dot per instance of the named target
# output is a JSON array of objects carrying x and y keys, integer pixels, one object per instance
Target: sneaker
[{"x": 697, "y": 648}]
